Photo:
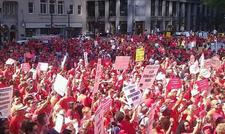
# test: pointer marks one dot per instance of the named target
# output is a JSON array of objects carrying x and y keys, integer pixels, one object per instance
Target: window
[
  {"x": 52, "y": 6},
  {"x": 30, "y": 7},
  {"x": 123, "y": 7},
  {"x": 60, "y": 7},
  {"x": 91, "y": 8},
  {"x": 153, "y": 8},
  {"x": 112, "y": 8},
  {"x": 43, "y": 6},
  {"x": 101, "y": 8},
  {"x": 160, "y": 8},
  {"x": 71, "y": 9},
  {"x": 167, "y": 8},
  {"x": 79, "y": 9},
  {"x": 174, "y": 9}
]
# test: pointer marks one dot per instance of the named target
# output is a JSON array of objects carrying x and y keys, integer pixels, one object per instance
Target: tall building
[{"x": 26, "y": 18}]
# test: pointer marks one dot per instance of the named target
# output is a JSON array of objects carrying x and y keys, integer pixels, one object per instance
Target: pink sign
[
  {"x": 174, "y": 83},
  {"x": 122, "y": 62},
  {"x": 148, "y": 76},
  {"x": 28, "y": 55},
  {"x": 203, "y": 84},
  {"x": 98, "y": 121},
  {"x": 25, "y": 67},
  {"x": 97, "y": 76},
  {"x": 208, "y": 63}
]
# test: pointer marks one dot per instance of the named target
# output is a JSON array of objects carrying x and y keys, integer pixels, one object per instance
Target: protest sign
[
  {"x": 10, "y": 61},
  {"x": 194, "y": 69},
  {"x": 25, "y": 67},
  {"x": 42, "y": 66},
  {"x": 59, "y": 123},
  {"x": 174, "y": 83},
  {"x": 132, "y": 94},
  {"x": 60, "y": 85},
  {"x": 6, "y": 94},
  {"x": 122, "y": 62},
  {"x": 106, "y": 103},
  {"x": 207, "y": 64},
  {"x": 202, "y": 84},
  {"x": 29, "y": 55},
  {"x": 148, "y": 76},
  {"x": 98, "y": 121},
  {"x": 140, "y": 54},
  {"x": 97, "y": 76},
  {"x": 202, "y": 60}
]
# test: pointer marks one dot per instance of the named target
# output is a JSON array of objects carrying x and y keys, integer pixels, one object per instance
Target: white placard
[
  {"x": 60, "y": 85},
  {"x": 133, "y": 94},
  {"x": 6, "y": 94},
  {"x": 43, "y": 66},
  {"x": 10, "y": 61}
]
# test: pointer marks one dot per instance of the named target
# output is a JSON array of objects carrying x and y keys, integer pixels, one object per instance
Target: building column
[
  {"x": 107, "y": 25},
  {"x": 117, "y": 15},
  {"x": 201, "y": 17},
  {"x": 147, "y": 16},
  {"x": 84, "y": 16},
  {"x": 188, "y": 16},
  {"x": 156, "y": 8},
  {"x": 130, "y": 16},
  {"x": 96, "y": 11},
  {"x": 163, "y": 15},
  {"x": 183, "y": 16},
  {"x": 171, "y": 12},
  {"x": 178, "y": 15},
  {"x": 195, "y": 16}
]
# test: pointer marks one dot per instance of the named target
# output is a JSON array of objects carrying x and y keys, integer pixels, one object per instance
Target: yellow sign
[
  {"x": 168, "y": 34},
  {"x": 140, "y": 54}
]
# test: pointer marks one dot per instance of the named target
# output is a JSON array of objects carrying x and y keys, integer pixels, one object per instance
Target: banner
[
  {"x": 174, "y": 83},
  {"x": 42, "y": 66},
  {"x": 25, "y": 67},
  {"x": 99, "y": 121},
  {"x": 10, "y": 61},
  {"x": 140, "y": 54},
  {"x": 202, "y": 84},
  {"x": 122, "y": 62},
  {"x": 97, "y": 76},
  {"x": 133, "y": 95},
  {"x": 6, "y": 95},
  {"x": 60, "y": 85},
  {"x": 148, "y": 76}
]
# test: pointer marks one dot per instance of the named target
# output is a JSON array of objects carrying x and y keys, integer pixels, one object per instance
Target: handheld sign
[
  {"x": 133, "y": 94},
  {"x": 97, "y": 76},
  {"x": 10, "y": 61},
  {"x": 148, "y": 76},
  {"x": 140, "y": 54},
  {"x": 6, "y": 95},
  {"x": 122, "y": 62},
  {"x": 60, "y": 85}
]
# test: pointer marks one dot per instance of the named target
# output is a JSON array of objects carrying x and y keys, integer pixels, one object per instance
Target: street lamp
[{"x": 68, "y": 25}]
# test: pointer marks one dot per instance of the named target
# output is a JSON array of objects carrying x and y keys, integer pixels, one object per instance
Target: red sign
[
  {"x": 202, "y": 84},
  {"x": 174, "y": 83},
  {"x": 122, "y": 62},
  {"x": 25, "y": 67}
]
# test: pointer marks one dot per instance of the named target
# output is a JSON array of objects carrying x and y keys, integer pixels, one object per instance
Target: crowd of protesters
[{"x": 36, "y": 105}]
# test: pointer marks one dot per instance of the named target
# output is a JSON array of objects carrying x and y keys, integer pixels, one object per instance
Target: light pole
[{"x": 68, "y": 25}]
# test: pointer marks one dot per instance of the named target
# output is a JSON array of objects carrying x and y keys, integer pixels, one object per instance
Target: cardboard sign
[
  {"x": 25, "y": 67},
  {"x": 97, "y": 76},
  {"x": 148, "y": 76},
  {"x": 174, "y": 83},
  {"x": 43, "y": 66},
  {"x": 202, "y": 84},
  {"x": 133, "y": 95},
  {"x": 6, "y": 95},
  {"x": 122, "y": 62},
  {"x": 140, "y": 54},
  {"x": 99, "y": 121},
  {"x": 10, "y": 61},
  {"x": 60, "y": 85}
]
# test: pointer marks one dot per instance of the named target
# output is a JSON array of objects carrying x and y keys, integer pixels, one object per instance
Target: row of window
[{"x": 50, "y": 7}]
